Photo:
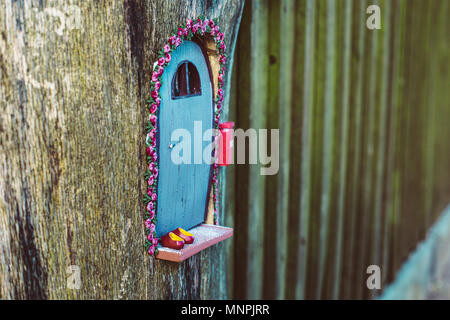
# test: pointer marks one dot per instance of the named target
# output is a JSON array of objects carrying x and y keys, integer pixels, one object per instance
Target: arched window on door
[{"x": 186, "y": 81}]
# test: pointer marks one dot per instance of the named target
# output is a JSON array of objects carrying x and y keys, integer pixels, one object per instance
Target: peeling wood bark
[{"x": 73, "y": 84}]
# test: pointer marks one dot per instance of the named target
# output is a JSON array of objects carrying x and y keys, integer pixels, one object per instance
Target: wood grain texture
[{"x": 74, "y": 81}]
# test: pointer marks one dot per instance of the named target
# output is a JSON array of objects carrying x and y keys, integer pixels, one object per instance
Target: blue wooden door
[{"x": 186, "y": 99}]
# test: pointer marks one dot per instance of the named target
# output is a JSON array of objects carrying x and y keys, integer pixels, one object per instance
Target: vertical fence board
[
  {"x": 258, "y": 107},
  {"x": 382, "y": 128},
  {"x": 306, "y": 152},
  {"x": 272, "y": 117},
  {"x": 286, "y": 60},
  {"x": 243, "y": 72},
  {"x": 354, "y": 156},
  {"x": 328, "y": 137},
  {"x": 344, "y": 146}
]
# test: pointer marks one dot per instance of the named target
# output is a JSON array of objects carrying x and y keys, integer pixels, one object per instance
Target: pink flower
[
  {"x": 189, "y": 23},
  {"x": 155, "y": 241},
  {"x": 151, "y": 181},
  {"x": 150, "y": 206},
  {"x": 154, "y": 94},
  {"x": 155, "y": 172},
  {"x": 149, "y": 190},
  {"x": 180, "y": 31},
  {"x": 148, "y": 222},
  {"x": 151, "y": 166},
  {"x": 177, "y": 42},
  {"x": 216, "y": 29},
  {"x": 151, "y": 250},
  {"x": 211, "y": 24},
  {"x": 203, "y": 28},
  {"x": 221, "y": 78},
  {"x": 219, "y": 106},
  {"x": 153, "y": 119},
  {"x": 157, "y": 85},
  {"x": 150, "y": 237},
  {"x": 168, "y": 57},
  {"x": 152, "y": 133},
  {"x": 220, "y": 92},
  {"x": 222, "y": 59},
  {"x": 161, "y": 61},
  {"x": 155, "y": 76},
  {"x": 222, "y": 46},
  {"x": 166, "y": 48},
  {"x": 152, "y": 227},
  {"x": 219, "y": 36},
  {"x": 158, "y": 101},
  {"x": 154, "y": 196},
  {"x": 194, "y": 28},
  {"x": 153, "y": 108},
  {"x": 161, "y": 69},
  {"x": 151, "y": 214},
  {"x": 172, "y": 40},
  {"x": 148, "y": 151},
  {"x": 155, "y": 157}
]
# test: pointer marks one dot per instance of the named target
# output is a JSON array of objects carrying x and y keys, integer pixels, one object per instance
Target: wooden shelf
[{"x": 205, "y": 236}]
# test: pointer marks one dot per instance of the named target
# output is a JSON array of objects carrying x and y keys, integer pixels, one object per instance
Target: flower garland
[{"x": 200, "y": 26}]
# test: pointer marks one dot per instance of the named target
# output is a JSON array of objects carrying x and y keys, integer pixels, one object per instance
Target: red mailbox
[{"x": 225, "y": 155}]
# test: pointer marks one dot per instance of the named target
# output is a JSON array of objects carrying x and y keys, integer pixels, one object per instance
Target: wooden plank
[
  {"x": 306, "y": 145},
  {"x": 356, "y": 243},
  {"x": 391, "y": 221},
  {"x": 376, "y": 257},
  {"x": 205, "y": 236},
  {"x": 272, "y": 119},
  {"x": 346, "y": 62},
  {"x": 241, "y": 205},
  {"x": 287, "y": 12},
  {"x": 258, "y": 103},
  {"x": 354, "y": 156},
  {"x": 328, "y": 140}
]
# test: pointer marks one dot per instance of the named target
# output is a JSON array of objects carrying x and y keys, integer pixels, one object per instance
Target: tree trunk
[{"x": 74, "y": 81}]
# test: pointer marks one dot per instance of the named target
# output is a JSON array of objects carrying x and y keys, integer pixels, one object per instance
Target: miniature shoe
[
  {"x": 171, "y": 240},
  {"x": 186, "y": 236}
]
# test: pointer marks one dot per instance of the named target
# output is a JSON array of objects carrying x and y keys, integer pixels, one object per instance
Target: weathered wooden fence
[{"x": 364, "y": 143}]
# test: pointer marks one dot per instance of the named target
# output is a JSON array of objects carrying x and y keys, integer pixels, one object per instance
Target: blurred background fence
[{"x": 364, "y": 144}]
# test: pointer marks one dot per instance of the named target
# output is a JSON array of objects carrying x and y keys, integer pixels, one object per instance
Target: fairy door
[{"x": 186, "y": 112}]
